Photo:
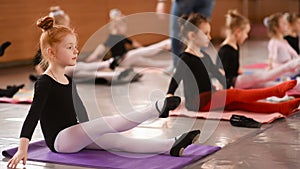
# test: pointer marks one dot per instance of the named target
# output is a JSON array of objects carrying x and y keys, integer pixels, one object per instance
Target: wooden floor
[{"x": 275, "y": 145}]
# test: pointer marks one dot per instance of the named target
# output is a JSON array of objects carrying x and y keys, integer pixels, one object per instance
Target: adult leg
[
  {"x": 204, "y": 7},
  {"x": 75, "y": 138},
  {"x": 252, "y": 80},
  {"x": 176, "y": 44},
  {"x": 180, "y": 8},
  {"x": 220, "y": 99}
]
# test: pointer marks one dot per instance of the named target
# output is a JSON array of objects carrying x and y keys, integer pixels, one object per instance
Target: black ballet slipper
[
  {"x": 170, "y": 103},
  {"x": 101, "y": 81},
  {"x": 10, "y": 92},
  {"x": 183, "y": 141},
  {"x": 115, "y": 62},
  {"x": 3, "y": 47},
  {"x": 242, "y": 121}
]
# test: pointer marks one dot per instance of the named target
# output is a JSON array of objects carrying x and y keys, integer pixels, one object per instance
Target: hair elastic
[{"x": 56, "y": 13}]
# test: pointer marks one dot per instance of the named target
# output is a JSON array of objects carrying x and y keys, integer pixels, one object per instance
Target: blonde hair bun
[
  {"x": 266, "y": 21},
  {"x": 115, "y": 13},
  {"x": 56, "y": 11}
]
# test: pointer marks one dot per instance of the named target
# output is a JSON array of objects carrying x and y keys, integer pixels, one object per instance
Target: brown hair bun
[{"x": 45, "y": 23}]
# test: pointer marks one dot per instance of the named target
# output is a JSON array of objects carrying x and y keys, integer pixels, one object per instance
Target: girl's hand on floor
[{"x": 14, "y": 161}]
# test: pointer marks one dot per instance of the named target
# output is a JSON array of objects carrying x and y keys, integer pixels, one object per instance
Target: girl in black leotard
[
  {"x": 238, "y": 28},
  {"x": 56, "y": 103},
  {"x": 196, "y": 69},
  {"x": 117, "y": 43},
  {"x": 293, "y": 35},
  {"x": 83, "y": 71}
]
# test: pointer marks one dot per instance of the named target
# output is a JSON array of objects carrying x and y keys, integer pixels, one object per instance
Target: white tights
[
  {"x": 137, "y": 57},
  {"x": 258, "y": 79},
  {"x": 86, "y": 71},
  {"x": 121, "y": 142},
  {"x": 104, "y": 131}
]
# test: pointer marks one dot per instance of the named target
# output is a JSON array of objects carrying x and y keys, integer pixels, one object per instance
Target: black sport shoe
[
  {"x": 242, "y": 121},
  {"x": 183, "y": 141},
  {"x": 170, "y": 103}
]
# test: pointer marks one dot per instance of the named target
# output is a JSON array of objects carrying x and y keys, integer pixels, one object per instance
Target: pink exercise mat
[
  {"x": 293, "y": 92},
  {"x": 256, "y": 66},
  {"x": 15, "y": 101},
  {"x": 21, "y": 97},
  {"x": 260, "y": 117}
]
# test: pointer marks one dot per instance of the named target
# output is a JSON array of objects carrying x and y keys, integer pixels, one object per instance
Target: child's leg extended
[
  {"x": 244, "y": 81},
  {"x": 220, "y": 99},
  {"x": 75, "y": 138},
  {"x": 120, "y": 142},
  {"x": 262, "y": 107}
]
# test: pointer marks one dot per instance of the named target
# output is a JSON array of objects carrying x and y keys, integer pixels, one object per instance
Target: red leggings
[{"x": 237, "y": 99}]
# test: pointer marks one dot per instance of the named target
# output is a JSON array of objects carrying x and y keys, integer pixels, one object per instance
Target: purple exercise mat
[{"x": 38, "y": 151}]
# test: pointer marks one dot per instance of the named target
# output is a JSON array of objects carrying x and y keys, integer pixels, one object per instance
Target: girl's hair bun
[
  {"x": 232, "y": 12},
  {"x": 266, "y": 21},
  {"x": 45, "y": 23},
  {"x": 56, "y": 11},
  {"x": 115, "y": 13}
]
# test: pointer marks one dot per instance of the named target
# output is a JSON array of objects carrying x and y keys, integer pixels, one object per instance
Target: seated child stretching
[
  {"x": 53, "y": 105},
  {"x": 238, "y": 28},
  {"x": 82, "y": 71},
  {"x": 196, "y": 69},
  {"x": 280, "y": 52},
  {"x": 117, "y": 43}
]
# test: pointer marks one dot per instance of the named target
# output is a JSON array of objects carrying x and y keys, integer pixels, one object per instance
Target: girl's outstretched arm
[{"x": 21, "y": 154}]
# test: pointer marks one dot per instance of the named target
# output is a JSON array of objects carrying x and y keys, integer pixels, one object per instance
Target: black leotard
[
  {"x": 196, "y": 74},
  {"x": 230, "y": 59},
  {"x": 54, "y": 106},
  {"x": 117, "y": 44}
]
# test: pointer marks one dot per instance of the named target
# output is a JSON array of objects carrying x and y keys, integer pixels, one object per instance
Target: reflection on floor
[{"x": 275, "y": 145}]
